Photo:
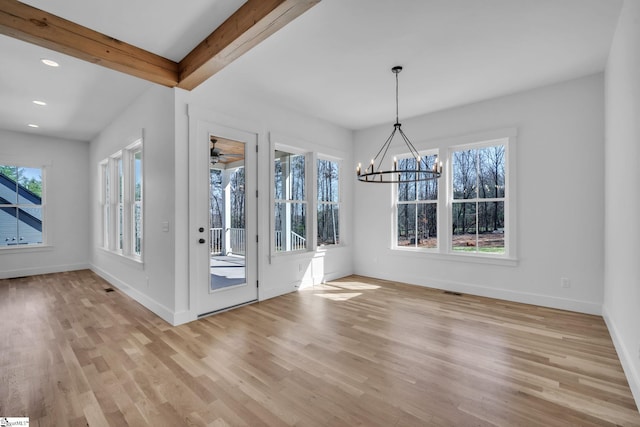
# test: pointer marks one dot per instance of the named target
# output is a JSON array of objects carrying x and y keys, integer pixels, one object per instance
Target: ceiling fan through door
[{"x": 217, "y": 156}]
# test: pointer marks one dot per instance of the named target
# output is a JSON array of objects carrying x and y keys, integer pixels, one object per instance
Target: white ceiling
[{"x": 333, "y": 62}]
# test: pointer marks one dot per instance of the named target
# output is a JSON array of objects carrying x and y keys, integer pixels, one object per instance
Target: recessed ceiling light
[
  {"x": 50, "y": 62},
  {"x": 39, "y": 102},
  {"x": 31, "y": 125}
]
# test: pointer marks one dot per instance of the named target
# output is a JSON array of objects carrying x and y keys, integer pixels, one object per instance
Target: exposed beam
[
  {"x": 252, "y": 23},
  {"x": 36, "y": 26},
  {"x": 248, "y": 26}
]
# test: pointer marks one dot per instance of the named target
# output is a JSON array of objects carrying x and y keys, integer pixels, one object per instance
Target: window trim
[{"x": 46, "y": 235}]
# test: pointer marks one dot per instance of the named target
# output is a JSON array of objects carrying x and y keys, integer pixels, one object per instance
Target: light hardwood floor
[{"x": 355, "y": 352}]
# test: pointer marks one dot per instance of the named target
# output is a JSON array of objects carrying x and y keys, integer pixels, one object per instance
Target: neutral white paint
[
  {"x": 622, "y": 230},
  {"x": 82, "y": 98},
  {"x": 151, "y": 282},
  {"x": 333, "y": 62},
  {"x": 163, "y": 114},
  {"x": 68, "y": 202},
  {"x": 219, "y": 102},
  {"x": 560, "y": 189}
]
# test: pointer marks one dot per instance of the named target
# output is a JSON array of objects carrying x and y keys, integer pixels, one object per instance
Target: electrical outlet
[{"x": 565, "y": 283}]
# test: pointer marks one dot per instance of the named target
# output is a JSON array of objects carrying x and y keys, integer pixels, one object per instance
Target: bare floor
[{"x": 355, "y": 352}]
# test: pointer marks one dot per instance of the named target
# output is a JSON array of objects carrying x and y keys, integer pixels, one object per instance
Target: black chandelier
[{"x": 421, "y": 172}]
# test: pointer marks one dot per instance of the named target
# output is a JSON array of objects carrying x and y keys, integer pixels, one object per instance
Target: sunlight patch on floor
[{"x": 343, "y": 296}]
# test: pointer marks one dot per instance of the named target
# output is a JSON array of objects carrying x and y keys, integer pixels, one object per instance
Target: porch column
[{"x": 226, "y": 219}]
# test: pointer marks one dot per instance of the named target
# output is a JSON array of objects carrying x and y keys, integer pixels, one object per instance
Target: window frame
[
  {"x": 416, "y": 202},
  {"x": 133, "y": 150},
  {"x": 305, "y": 202},
  {"x": 46, "y": 237},
  {"x": 105, "y": 208},
  {"x": 477, "y": 200},
  {"x": 317, "y": 202},
  {"x": 506, "y": 137}
]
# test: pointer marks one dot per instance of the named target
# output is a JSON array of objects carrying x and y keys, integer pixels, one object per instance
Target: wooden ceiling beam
[
  {"x": 41, "y": 28},
  {"x": 247, "y": 27}
]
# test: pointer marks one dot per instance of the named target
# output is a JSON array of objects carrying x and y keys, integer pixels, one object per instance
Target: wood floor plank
[{"x": 353, "y": 352}]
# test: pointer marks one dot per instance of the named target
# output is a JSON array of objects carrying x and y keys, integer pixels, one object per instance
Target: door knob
[
  {"x": 201, "y": 229},
  {"x": 201, "y": 241}
]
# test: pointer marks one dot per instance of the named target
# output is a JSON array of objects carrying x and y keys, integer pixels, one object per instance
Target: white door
[{"x": 223, "y": 217}]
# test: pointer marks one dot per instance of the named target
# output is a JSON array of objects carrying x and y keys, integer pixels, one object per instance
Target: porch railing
[
  {"x": 297, "y": 241},
  {"x": 236, "y": 239},
  {"x": 216, "y": 241}
]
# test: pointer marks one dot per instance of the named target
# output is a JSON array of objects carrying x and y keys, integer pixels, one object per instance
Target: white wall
[
  {"x": 230, "y": 106},
  {"x": 152, "y": 282},
  {"x": 622, "y": 228},
  {"x": 68, "y": 202},
  {"x": 559, "y": 172}
]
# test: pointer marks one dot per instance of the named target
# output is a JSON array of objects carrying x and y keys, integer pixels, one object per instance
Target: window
[
  {"x": 328, "y": 203},
  {"x": 21, "y": 206},
  {"x": 470, "y": 210},
  {"x": 417, "y": 207},
  {"x": 136, "y": 210},
  {"x": 105, "y": 202},
  {"x": 478, "y": 199},
  {"x": 122, "y": 201},
  {"x": 290, "y": 203}
]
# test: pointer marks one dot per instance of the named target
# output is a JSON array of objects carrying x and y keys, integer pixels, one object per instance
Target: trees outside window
[
  {"x": 136, "y": 200},
  {"x": 417, "y": 207},
  {"x": 479, "y": 196},
  {"x": 21, "y": 206},
  {"x": 328, "y": 191},
  {"x": 290, "y": 203}
]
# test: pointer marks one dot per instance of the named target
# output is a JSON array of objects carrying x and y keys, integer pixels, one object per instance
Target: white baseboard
[
  {"x": 163, "y": 312},
  {"x": 503, "y": 294},
  {"x": 626, "y": 357},
  {"x": 42, "y": 270},
  {"x": 182, "y": 317}
]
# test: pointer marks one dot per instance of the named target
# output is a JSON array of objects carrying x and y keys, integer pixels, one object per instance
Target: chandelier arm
[
  {"x": 412, "y": 149},
  {"x": 385, "y": 147}
]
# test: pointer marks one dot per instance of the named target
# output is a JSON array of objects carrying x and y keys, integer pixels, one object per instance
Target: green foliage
[
  {"x": 33, "y": 185},
  {"x": 9, "y": 171},
  {"x": 19, "y": 175}
]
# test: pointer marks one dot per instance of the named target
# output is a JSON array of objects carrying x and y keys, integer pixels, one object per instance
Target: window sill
[
  {"x": 135, "y": 261},
  {"x": 25, "y": 248},
  {"x": 455, "y": 257},
  {"x": 326, "y": 248}
]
